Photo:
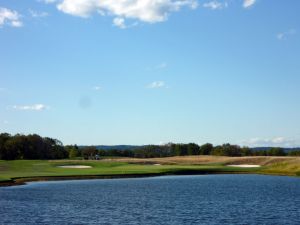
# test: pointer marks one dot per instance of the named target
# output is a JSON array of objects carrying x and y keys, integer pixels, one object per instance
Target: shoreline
[
  {"x": 18, "y": 172},
  {"x": 24, "y": 180}
]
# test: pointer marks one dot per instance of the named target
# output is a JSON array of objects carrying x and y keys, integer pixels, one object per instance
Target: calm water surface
[{"x": 209, "y": 199}]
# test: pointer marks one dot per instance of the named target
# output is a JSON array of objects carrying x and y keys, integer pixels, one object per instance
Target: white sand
[
  {"x": 245, "y": 166},
  {"x": 75, "y": 167},
  {"x": 156, "y": 164}
]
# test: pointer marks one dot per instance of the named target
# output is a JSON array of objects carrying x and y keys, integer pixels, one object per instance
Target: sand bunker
[
  {"x": 245, "y": 166},
  {"x": 156, "y": 164},
  {"x": 75, "y": 166}
]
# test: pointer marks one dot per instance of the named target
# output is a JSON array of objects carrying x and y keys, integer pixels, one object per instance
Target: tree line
[
  {"x": 171, "y": 149},
  {"x": 30, "y": 146},
  {"x": 34, "y": 146}
]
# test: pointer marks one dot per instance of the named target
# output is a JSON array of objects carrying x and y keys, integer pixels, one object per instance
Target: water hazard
[{"x": 209, "y": 199}]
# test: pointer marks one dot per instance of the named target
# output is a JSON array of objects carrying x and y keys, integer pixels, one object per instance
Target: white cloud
[
  {"x": 47, "y": 1},
  {"x": 157, "y": 84},
  {"x": 10, "y": 17},
  {"x": 248, "y": 3},
  {"x": 284, "y": 35},
  {"x": 36, "y": 14},
  {"x": 150, "y": 11},
  {"x": 215, "y": 5},
  {"x": 35, "y": 107},
  {"x": 119, "y": 22},
  {"x": 270, "y": 142},
  {"x": 5, "y": 122},
  {"x": 97, "y": 88},
  {"x": 16, "y": 23}
]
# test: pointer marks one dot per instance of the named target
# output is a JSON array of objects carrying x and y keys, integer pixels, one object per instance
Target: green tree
[
  {"x": 4, "y": 137},
  {"x": 73, "y": 151},
  {"x": 246, "y": 151},
  {"x": 275, "y": 151},
  {"x": 206, "y": 149},
  {"x": 193, "y": 149},
  {"x": 89, "y": 152}
]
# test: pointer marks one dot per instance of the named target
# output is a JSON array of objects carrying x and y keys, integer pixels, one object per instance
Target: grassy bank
[{"x": 20, "y": 170}]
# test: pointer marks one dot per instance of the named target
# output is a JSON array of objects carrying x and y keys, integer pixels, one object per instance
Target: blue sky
[{"x": 150, "y": 72}]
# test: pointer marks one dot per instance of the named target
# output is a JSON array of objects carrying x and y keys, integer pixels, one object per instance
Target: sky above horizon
[{"x": 151, "y": 71}]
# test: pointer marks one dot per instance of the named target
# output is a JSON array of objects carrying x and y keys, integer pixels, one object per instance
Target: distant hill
[
  {"x": 257, "y": 149},
  {"x": 132, "y": 147}
]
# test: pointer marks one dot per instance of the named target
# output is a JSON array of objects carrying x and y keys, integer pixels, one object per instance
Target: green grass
[
  {"x": 36, "y": 169},
  {"x": 10, "y": 170},
  {"x": 290, "y": 168}
]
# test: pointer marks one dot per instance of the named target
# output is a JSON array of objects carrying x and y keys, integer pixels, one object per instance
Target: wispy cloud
[
  {"x": 270, "y": 142},
  {"x": 10, "y": 17},
  {"x": 162, "y": 65},
  {"x": 284, "y": 35},
  {"x": 215, "y": 5},
  {"x": 48, "y": 1},
  {"x": 36, "y": 14},
  {"x": 5, "y": 122},
  {"x": 157, "y": 84},
  {"x": 35, "y": 107},
  {"x": 121, "y": 23},
  {"x": 248, "y": 3},
  {"x": 150, "y": 11},
  {"x": 96, "y": 88},
  {"x": 4, "y": 91}
]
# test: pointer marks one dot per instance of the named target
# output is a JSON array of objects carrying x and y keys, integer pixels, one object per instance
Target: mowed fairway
[{"x": 46, "y": 169}]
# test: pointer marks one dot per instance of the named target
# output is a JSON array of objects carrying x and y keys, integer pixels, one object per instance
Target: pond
[{"x": 206, "y": 199}]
